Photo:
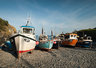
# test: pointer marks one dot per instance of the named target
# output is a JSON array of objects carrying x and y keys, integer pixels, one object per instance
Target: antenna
[{"x": 28, "y": 20}]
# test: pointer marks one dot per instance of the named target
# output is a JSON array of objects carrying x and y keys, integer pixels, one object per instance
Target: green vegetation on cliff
[
  {"x": 88, "y": 32},
  {"x": 3, "y": 24},
  {"x": 6, "y": 29}
]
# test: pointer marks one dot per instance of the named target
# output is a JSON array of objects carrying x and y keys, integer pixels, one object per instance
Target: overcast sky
[{"x": 58, "y": 15}]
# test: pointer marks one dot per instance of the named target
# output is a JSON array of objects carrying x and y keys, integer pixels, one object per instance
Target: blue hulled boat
[
  {"x": 85, "y": 42},
  {"x": 44, "y": 43}
]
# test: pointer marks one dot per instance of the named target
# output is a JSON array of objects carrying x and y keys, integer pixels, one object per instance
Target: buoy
[
  {"x": 37, "y": 42},
  {"x": 54, "y": 42}
]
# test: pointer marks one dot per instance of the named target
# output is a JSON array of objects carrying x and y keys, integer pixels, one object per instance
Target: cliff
[
  {"x": 88, "y": 32},
  {"x": 6, "y": 30}
]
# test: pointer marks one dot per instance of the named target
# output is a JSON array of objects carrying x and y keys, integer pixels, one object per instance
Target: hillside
[
  {"x": 88, "y": 32},
  {"x": 6, "y": 29}
]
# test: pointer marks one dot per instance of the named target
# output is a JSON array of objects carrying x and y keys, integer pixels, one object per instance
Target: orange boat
[{"x": 69, "y": 39}]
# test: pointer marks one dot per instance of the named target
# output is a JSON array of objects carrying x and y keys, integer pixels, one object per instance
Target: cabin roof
[
  {"x": 28, "y": 26},
  {"x": 70, "y": 34}
]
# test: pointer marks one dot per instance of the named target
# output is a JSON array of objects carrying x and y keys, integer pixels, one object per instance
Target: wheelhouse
[
  {"x": 28, "y": 30},
  {"x": 70, "y": 36},
  {"x": 87, "y": 38}
]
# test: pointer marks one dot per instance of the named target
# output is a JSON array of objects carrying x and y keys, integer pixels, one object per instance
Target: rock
[{"x": 6, "y": 30}]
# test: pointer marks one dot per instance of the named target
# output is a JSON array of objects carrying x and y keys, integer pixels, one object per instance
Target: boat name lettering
[{"x": 27, "y": 40}]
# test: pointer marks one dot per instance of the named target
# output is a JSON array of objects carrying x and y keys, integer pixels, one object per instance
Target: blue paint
[
  {"x": 45, "y": 45},
  {"x": 0, "y": 47},
  {"x": 8, "y": 44},
  {"x": 28, "y": 26},
  {"x": 86, "y": 44}
]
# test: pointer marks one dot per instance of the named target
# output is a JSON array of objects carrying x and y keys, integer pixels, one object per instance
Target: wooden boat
[
  {"x": 25, "y": 40},
  {"x": 85, "y": 42},
  {"x": 70, "y": 39},
  {"x": 44, "y": 43}
]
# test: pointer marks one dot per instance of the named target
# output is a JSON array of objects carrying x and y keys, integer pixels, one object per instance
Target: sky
[{"x": 56, "y": 15}]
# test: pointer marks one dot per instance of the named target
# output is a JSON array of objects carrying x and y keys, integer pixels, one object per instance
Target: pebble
[{"x": 56, "y": 58}]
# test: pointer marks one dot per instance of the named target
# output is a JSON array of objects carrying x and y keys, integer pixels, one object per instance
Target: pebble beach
[{"x": 56, "y": 58}]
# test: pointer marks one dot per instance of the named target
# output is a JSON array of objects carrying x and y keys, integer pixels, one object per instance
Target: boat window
[
  {"x": 26, "y": 30},
  {"x": 74, "y": 35},
  {"x": 71, "y": 35},
  {"x": 89, "y": 38},
  {"x": 85, "y": 38},
  {"x": 33, "y": 31}
]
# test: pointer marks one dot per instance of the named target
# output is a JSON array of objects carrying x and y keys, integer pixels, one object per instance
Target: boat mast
[
  {"x": 52, "y": 34},
  {"x": 42, "y": 31},
  {"x": 28, "y": 21}
]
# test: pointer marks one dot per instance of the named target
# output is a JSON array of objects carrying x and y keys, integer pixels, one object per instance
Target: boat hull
[
  {"x": 56, "y": 45},
  {"x": 85, "y": 44},
  {"x": 71, "y": 42},
  {"x": 45, "y": 45},
  {"x": 24, "y": 43}
]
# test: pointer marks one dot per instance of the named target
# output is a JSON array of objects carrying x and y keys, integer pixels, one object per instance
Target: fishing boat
[
  {"x": 85, "y": 41},
  {"x": 24, "y": 40},
  {"x": 61, "y": 36},
  {"x": 56, "y": 42},
  {"x": 44, "y": 43},
  {"x": 70, "y": 39}
]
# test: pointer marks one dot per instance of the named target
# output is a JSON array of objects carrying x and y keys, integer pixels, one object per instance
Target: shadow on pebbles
[{"x": 56, "y": 58}]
